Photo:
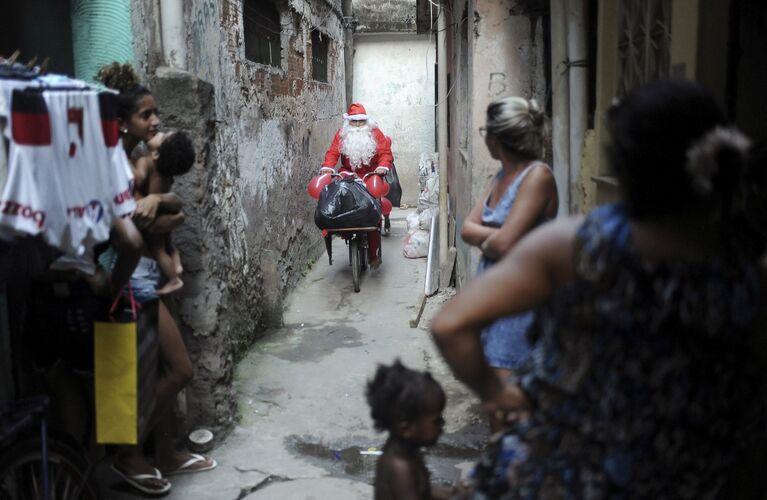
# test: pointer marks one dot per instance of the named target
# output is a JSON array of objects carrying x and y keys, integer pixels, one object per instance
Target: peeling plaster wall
[
  {"x": 394, "y": 80},
  {"x": 262, "y": 132},
  {"x": 147, "y": 45},
  {"x": 385, "y": 16}
]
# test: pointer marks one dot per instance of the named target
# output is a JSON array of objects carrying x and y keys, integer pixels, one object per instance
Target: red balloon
[
  {"x": 317, "y": 184},
  {"x": 377, "y": 186},
  {"x": 386, "y": 206}
]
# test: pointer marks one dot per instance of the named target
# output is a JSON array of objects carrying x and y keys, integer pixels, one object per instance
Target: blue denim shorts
[
  {"x": 505, "y": 341},
  {"x": 145, "y": 277}
]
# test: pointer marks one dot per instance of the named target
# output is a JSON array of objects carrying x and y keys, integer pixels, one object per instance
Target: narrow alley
[
  {"x": 303, "y": 420},
  {"x": 572, "y": 279}
]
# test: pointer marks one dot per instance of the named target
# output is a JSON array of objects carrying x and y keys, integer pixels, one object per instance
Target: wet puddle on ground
[
  {"x": 308, "y": 342},
  {"x": 348, "y": 462}
]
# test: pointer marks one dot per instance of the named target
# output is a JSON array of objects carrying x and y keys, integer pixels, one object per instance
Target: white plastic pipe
[
  {"x": 172, "y": 30},
  {"x": 560, "y": 103},
  {"x": 578, "y": 80}
]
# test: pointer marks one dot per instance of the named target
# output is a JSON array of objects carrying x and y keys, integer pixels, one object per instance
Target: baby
[
  {"x": 172, "y": 154},
  {"x": 408, "y": 404}
]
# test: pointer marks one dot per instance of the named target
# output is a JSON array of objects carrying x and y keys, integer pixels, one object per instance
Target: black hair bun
[{"x": 120, "y": 77}]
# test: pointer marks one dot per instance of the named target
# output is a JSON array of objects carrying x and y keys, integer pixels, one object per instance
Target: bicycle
[
  {"x": 40, "y": 465},
  {"x": 355, "y": 237},
  {"x": 357, "y": 240}
]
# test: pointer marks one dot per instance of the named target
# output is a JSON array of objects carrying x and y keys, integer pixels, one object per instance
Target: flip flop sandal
[
  {"x": 186, "y": 467},
  {"x": 135, "y": 481}
]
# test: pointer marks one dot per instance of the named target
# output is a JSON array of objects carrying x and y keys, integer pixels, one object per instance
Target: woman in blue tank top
[{"x": 522, "y": 195}]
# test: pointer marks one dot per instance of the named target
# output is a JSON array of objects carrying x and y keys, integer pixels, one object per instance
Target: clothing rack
[{"x": 25, "y": 256}]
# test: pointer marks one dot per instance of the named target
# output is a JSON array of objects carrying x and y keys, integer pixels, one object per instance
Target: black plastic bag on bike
[
  {"x": 395, "y": 189},
  {"x": 346, "y": 204}
]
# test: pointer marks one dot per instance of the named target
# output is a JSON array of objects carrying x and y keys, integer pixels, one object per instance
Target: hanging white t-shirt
[
  {"x": 68, "y": 173},
  {"x": 22, "y": 207}
]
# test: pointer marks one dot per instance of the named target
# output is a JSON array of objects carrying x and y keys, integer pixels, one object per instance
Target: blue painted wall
[{"x": 101, "y": 33}]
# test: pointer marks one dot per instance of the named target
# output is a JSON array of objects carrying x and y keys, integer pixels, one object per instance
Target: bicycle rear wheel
[
  {"x": 68, "y": 472},
  {"x": 354, "y": 251},
  {"x": 362, "y": 248}
]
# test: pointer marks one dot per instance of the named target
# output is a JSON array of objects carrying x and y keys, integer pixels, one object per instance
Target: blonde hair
[{"x": 519, "y": 124}]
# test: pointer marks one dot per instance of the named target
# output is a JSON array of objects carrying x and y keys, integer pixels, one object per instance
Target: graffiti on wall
[
  {"x": 497, "y": 85},
  {"x": 203, "y": 23}
]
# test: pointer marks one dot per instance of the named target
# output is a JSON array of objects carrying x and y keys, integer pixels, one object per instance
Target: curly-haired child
[
  {"x": 408, "y": 404},
  {"x": 170, "y": 155}
]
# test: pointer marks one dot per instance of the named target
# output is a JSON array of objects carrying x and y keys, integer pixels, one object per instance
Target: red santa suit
[{"x": 381, "y": 158}]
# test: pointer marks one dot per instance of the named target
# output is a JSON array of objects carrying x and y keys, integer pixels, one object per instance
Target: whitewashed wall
[{"x": 394, "y": 80}]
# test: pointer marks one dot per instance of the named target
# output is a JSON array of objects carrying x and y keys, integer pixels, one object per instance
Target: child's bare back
[
  {"x": 401, "y": 473},
  {"x": 408, "y": 404}
]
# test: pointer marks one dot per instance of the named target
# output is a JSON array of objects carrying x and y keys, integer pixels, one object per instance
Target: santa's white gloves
[
  {"x": 382, "y": 171},
  {"x": 326, "y": 170}
]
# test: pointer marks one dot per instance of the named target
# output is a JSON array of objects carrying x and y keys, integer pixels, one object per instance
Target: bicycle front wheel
[
  {"x": 21, "y": 474},
  {"x": 354, "y": 250}
]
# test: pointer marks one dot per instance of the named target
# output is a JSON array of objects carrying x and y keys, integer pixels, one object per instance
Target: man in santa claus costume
[{"x": 363, "y": 149}]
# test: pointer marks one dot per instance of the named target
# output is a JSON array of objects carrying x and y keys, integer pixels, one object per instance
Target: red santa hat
[{"x": 356, "y": 112}]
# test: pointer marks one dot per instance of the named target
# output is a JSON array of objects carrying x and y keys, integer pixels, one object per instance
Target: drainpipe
[
  {"x": 560, "y": 102},
  {"x": 442, "y": 131},
  {"x": 578, "y": 81},
  {"x": 172, "y": 29},
  {"x": 350, "y": 23}
]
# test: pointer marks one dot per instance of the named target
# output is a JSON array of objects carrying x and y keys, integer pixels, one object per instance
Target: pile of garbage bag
[
  {"x": 346, "y": 204},
  {"x": 419, "y": 222}
]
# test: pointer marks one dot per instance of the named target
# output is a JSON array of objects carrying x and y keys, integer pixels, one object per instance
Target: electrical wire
[
  {"x": 446, "y": 95},
  {"x": 440, "y": 12}
]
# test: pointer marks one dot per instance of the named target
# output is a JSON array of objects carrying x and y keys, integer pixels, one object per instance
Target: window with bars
[
  {"x": 261, "y": 20},
  {"x": 644, "y": 42},
  {"x": 319, "y": 56}
]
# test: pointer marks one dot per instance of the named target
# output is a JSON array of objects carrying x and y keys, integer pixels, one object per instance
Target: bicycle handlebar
[{"x": 335, "y": 174}]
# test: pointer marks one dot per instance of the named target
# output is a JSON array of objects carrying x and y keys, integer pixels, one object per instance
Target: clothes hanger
[
  {"x": 10, "y": 69},
  {"x": 14, "y": 56}
]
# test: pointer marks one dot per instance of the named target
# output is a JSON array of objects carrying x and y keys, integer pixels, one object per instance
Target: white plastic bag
[
  {"x": 424, "y": 218},
  {"x": 429, "y": 197},
  {"x": 427, "y": 165},
  {"x": 416, "y": 244},
  {"x": 413, "y": 221}
]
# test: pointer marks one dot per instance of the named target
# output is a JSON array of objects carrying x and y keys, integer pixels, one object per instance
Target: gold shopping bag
[{"x": 116, "y": 375}]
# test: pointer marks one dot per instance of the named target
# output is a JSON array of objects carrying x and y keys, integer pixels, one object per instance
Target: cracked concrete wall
[
  {"x": 385, "y": 16},
  {"x": 147, "y": 43},
  {"x": 261, "y": 132}
]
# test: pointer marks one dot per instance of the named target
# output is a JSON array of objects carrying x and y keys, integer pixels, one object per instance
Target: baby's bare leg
[
  {"x": 176, "y": 256},
  {"x": 156, "y": 244}
]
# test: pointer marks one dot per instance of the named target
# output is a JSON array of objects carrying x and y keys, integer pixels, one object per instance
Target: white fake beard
[{"x": 358, "y": 144}]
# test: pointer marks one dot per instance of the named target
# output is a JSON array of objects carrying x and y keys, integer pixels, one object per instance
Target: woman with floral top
[{"x": 646, "y": 379}]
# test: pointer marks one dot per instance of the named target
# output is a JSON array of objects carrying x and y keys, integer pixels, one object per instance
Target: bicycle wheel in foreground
[{"x": 21, "y": 476}]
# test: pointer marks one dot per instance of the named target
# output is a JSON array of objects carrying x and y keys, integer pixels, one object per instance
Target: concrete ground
[{"x": 303, "y": 419}]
